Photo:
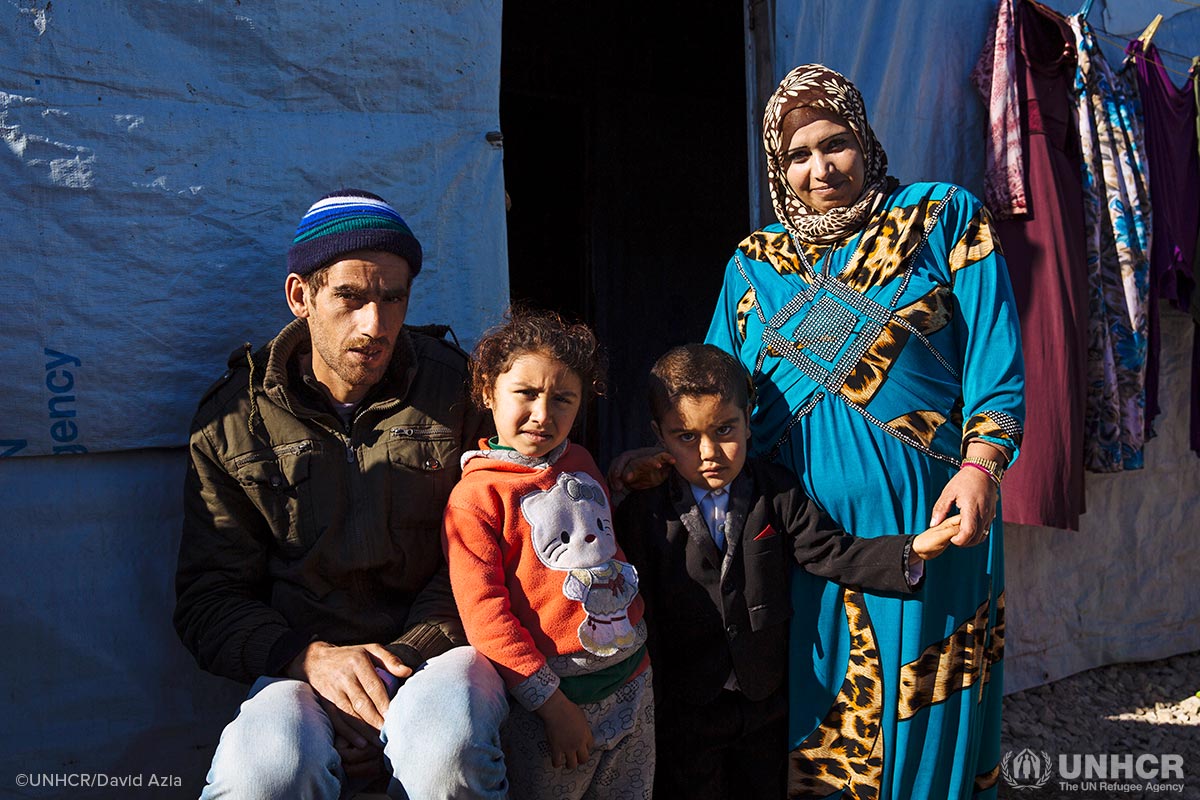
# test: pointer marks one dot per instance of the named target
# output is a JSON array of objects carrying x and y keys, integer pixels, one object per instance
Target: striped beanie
[{"x": 348, "y": 220}]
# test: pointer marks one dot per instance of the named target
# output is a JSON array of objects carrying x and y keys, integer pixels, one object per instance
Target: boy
[{"x": 713, "y": 547}]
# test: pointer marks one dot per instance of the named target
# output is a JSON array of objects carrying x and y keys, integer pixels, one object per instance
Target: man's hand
[
  {"x": 567, "y": 731},
  {"x": 363, "y": 762},
  {"x": 345, "y": 677},
  {"x": 643, "y": 468}
]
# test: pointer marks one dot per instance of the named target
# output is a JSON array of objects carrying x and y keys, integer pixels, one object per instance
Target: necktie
[{"x": 714, "y": 517}]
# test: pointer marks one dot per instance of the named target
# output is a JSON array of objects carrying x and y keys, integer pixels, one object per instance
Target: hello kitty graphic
[{"x": 572, "y": 532}]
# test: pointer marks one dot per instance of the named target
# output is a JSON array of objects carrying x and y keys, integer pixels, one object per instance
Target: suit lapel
[
  {"x": 689, "y": 514},
  {"x": 741, "y": 491}
]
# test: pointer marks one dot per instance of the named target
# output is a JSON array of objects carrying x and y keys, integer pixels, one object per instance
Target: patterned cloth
[
  {"x": 620, "y": 766},
  {"x": 1117, "y": 222},
  {"x": 875, "y": 361},
  {"x": 820, "y": 87},
  {"x": 995, "y": 77}
]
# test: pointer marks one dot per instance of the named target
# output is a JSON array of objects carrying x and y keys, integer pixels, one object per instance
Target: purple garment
[
  {"x": 1047, "y": 263},
  {"x": 1174, "y": 162}
]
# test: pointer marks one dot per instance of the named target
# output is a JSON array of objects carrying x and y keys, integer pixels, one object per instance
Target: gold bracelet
[{"x": 994, "y": 469}]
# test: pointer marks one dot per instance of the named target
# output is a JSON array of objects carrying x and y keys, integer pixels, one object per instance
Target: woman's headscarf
[{"x": 820, "y": 87}]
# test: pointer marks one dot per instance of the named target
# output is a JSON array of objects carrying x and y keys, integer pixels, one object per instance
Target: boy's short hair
[{"x": 693, "y": 370}]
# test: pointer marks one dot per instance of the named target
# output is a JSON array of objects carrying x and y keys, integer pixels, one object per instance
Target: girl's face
[
  {"x": 824, "y": 162},
  {"x": 534, "y": 404}
]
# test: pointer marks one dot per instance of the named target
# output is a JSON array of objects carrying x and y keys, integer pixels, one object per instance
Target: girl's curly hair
[{"x": 526, "y": 330}]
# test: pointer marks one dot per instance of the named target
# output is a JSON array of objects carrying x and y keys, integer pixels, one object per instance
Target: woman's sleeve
[
  {"x": 472, "y": 539},
  {"x": 726, "y": 330},
  {"x": 993, "y": 375}
]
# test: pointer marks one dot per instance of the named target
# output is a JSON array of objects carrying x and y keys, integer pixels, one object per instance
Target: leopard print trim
[
  {"x": 930, "y": 223},
  {"x": 889, "y": 243},
  {"x": 987, "y": 780},
  {"x": 900, "y": 434},
  {"x": 872, "y": 369},
  {"x": 846, "y": 751},
  {"x": 997, "y": 427},
  {"x": 920, "y": 425},
  {"x": 977, "y": 243},
  {"x": 774, "y": 248},
  {"x": 954, "y": 664}
]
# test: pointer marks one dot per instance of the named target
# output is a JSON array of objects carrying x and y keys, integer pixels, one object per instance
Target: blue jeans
[{"x": 441, "y": 736}]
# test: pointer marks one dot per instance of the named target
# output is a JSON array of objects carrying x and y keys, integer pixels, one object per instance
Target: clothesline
[
  {"x": 1188, "y": 3},
  {"x": 1172, "y": 53},
  {"x": 1108, "y": 37}
]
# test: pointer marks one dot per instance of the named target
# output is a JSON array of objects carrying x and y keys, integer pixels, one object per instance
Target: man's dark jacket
[
  {"x": 299, "y": 527},
  {"x": 711, "y": 613}
]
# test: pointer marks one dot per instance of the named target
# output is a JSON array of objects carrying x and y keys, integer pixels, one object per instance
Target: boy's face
[{"x": 708, "y": 437}]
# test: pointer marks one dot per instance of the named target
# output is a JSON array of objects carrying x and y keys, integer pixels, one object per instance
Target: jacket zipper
[
  {"x": 421, "y": 434},
  {"x": 283, "y": 450}
]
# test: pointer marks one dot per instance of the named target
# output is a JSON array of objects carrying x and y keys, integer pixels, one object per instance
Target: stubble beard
[{"x": 342, "y": 363}]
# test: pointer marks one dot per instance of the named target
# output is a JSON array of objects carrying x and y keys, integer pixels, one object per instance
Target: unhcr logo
[
  {"x": 1103, "y": 772},
  {"x": 1027, "y": 769}
]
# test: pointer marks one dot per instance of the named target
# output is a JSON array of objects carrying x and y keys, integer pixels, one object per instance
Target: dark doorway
[{"x": 625, "y": 162}]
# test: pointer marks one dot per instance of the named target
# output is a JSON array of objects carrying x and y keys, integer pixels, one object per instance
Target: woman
[{"x": 878, "y": 324}]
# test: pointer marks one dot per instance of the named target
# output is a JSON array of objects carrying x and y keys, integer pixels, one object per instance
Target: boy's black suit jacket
[{"x": 710, "y": 612}]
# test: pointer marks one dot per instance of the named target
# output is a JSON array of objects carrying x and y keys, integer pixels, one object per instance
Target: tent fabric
[{"x": 155, "y": 158}]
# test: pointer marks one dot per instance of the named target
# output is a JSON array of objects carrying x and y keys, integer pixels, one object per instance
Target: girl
[{"x": 542, "y": 587}]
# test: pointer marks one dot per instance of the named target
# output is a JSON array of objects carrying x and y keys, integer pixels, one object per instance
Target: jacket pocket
[
  {"x": 767, "y": 599},
  {"x": 424, "y": 461},
  {"x": 277, "y": 482}
]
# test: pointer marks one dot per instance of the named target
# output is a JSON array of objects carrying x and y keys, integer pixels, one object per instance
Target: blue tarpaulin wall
[{"x": 154, "y": 160}]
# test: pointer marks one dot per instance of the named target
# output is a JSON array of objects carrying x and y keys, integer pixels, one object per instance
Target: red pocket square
[{"x": 767, "y": 533}]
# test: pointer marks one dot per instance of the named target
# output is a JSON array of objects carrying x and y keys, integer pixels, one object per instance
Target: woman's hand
[
  {"x": 643, "y": 468},
  {"x": 567, "y": 731},
  {"x": 974, "y": 494},
  {"x": 931, "y": 543}
]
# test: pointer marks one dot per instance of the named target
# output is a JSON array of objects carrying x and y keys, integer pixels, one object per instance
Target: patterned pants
[{"x": 621, "y": 765}]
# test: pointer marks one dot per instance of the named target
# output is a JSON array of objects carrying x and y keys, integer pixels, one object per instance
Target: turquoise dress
[{"x": 875, "y": 361}]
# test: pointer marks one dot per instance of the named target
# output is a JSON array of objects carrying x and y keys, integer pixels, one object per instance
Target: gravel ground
[{"x": 1122, "y": 709}]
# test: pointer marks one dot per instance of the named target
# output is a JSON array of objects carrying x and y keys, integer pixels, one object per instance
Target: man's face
[{"x": 354, "y": 319}]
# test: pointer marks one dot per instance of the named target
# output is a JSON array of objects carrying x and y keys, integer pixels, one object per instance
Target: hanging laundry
[
  {"x": 1047, "y": 259},
  {"x": 1117, "y": 226},
  {"x": 995, "y": 76},
  {"x": 1174, "y": 163}
]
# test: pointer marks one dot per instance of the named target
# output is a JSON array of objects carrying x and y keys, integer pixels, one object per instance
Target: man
[{"x": 311, "y": 560}]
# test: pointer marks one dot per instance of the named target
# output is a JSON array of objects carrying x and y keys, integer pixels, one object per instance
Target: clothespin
[
  {"x": 1151, "y": 29},
  {"x": 1085, "y": 9},
  {"x": 1145, "y": 38}
]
